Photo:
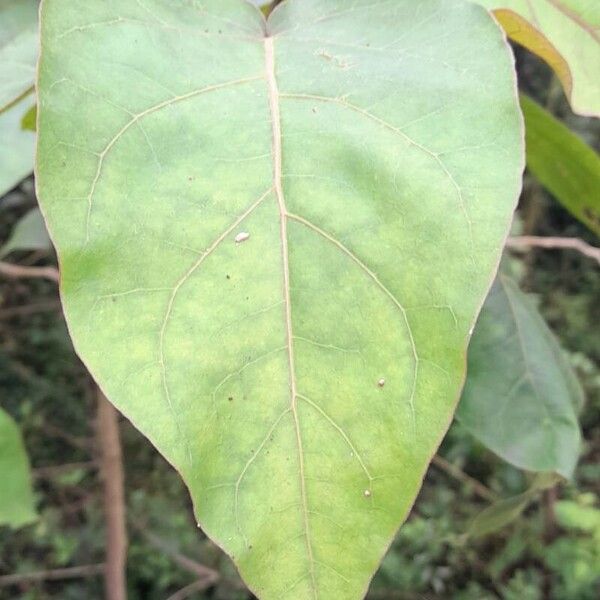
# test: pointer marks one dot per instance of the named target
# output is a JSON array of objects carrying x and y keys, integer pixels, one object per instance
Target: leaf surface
[
  {"x": 563, "y": 163},
  {"x": 16, "y": 146},
  {"x": 274, "y": 241},
  {"x": 16, "y": 496},
  {"x": 18, "y": 49},
  {"x": 505, "y": 511},
  {"x": 521, "y": 397},
  {"x": 566, "y": 34}
]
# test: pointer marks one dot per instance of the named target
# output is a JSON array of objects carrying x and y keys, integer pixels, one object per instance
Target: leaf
[
  {"x": 29, "y": 234},
  {"x": 28, "y": 122},
  {"x": 563, "y": 163},
  {"x": 273, "y": 250},
  {"x": 505, "y": 511},
  {"x": 18, "y": 49},
  {"x": 521, "y": 397},
  {"x": 16, "y": 497},
  {"x": 566, "y": 34},
  {"x": 16, "y": 146}
]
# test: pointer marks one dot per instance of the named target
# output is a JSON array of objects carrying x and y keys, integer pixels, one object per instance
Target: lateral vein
[{"x": 135, "y": 119}]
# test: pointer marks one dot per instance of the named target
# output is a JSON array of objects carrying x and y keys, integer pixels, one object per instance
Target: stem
[
  {"x": 53, "y": 470},
  {"x": 29, "y": 309},
  {"x": 206, "y": 574},
  {"x": 186, "y": 592},
  {"x": 20, "y": 272},
  {"x": 554, "y": 243},
  {"x": 452, "y": 470},
  {"x": 114, "y": 499},
  {"x": 550, "y": 497},
  {"x": 52, "y": 575}
]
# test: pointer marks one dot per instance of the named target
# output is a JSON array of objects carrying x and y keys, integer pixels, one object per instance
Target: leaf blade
[
  {"x": 28, "y": 234},
  {"x": 566, "y": 34},
  {"x": 18, "y": 44},
  {"x": 16, "y": 501},
  {"x": 516, "y": 365},
  {"x": 206, "y": 257},
  {"x": 17, "y": 150},
  {"x": 505, "y": 511},
  {"x": 563, "y": 163}
]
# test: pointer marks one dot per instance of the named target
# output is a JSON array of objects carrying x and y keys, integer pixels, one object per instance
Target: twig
[
  {"x": 188, "y": 590},
  {"x": 52, "y": 575},
  {"x": 20, "y": 272},
  {"x": 29, "y": 309},
  {"x": 452, "y": 470},
  {"x": 54, "y": 470},
  {"x": 526, "y": 242},
  {"x": 550, "y": 523},
  {"x": 80, "y": 443},
  {"x": 109, "y": 444},
  {"x": 34, "y": 257},
  {"x": 200, "y": 570}
]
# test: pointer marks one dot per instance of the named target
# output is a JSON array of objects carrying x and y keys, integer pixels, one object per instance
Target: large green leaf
[
  {"x": 18, "y": 49},
  {"x": 274, "y": 247},
  {"x": 521, "y": 397},
  {"x": 16, "y": 146},
  {"x": 563, "y": 163},
  {"x": 16, "y": 496},
  {"x": 566, "y": 34}
]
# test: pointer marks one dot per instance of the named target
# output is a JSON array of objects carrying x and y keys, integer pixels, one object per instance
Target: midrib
[{"x": 283, "y": 218}]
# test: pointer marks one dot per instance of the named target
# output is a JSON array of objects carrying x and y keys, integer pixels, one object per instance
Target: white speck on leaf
[
  {"x": 381, "y": 382},
  {"x": 367, "y": 493},
  {"x": 242, "y": 236}
]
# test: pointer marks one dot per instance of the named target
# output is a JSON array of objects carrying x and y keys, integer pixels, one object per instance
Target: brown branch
[
  {"x": 52, "y": 575},
  {"x": 452, "y": 470},
  {"x": 203, "y": 572},
  {"x": 29, "y": 309},
  {"x": 550, "y": 522},
  {"x": 34, "y": 257},
  {"x": 188, "y": 590},
  {"x": 527, "y": 242},
  {"x": 76, "y": 442},
  {"x": 54, "y": 470},
  {"x": 19, "y": 272},
  {"x": 109, "y": 444}
]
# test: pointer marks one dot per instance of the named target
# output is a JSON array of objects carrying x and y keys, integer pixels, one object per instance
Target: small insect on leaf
[{"x": 242, "y": 237}]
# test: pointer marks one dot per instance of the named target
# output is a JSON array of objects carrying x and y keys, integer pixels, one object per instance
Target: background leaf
[
  {"x": 273, "y": 250},
  {"x": 505, "y": 511},
  {"x": 566, "y": 34},
  {"x": 16, "y": 496},
  {"x": 29, "y": 234},
  {"x": 17, "y": 147},
  {"x": 521, "y": 397},
  {"x": 563, "y": 163},
  {"x": 29, "y": 120},
  {"x": 18, "y": 49}
]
